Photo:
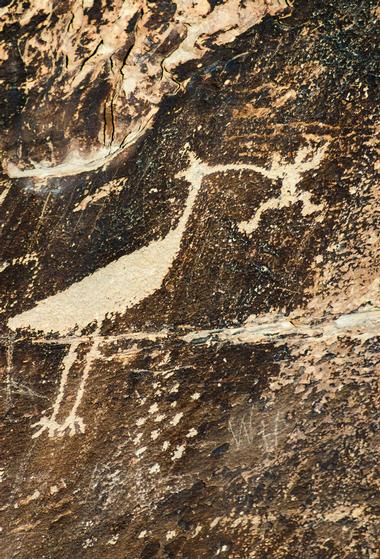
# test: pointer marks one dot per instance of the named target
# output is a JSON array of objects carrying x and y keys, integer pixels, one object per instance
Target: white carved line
[
  {"x": 290, "y": 175},
  {"x": 73, "y": 422}
]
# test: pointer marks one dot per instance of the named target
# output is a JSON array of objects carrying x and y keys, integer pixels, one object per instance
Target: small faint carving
[{"x": 244, "y": 431}]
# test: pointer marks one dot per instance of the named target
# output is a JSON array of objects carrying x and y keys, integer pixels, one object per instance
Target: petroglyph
[
  {"x": 72, "y": 423},
  {"x": 271, "y": 431},
  {"x": 125, "y": 282},
  {"x": 199, "y": 374},
  {"x": 119, "y": 285},
  {"x": 132, "y": 278},
  {"x": 290, "y": 175},
  {"x": 243, "y": 430},
  {"x": 248, "y": 428}
]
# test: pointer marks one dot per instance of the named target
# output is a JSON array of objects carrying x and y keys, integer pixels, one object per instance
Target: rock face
[{"x": 190, "y": 290}]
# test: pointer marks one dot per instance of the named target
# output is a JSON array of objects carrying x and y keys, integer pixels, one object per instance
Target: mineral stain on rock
[{"x": 190, "y": 290}]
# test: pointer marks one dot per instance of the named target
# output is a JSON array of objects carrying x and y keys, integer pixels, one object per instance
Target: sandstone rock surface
[{"x": 190, "y": 287}]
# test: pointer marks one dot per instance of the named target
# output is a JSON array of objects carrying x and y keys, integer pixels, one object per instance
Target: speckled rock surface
[{"x": 190, "y": 287}]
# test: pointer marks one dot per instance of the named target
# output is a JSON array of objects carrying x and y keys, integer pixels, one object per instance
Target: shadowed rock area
[{"x": 190, "y": 287}]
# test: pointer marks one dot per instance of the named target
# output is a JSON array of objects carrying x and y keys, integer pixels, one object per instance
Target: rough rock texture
[{"x": 190, "y": 292}]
